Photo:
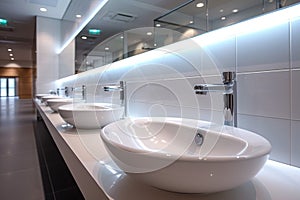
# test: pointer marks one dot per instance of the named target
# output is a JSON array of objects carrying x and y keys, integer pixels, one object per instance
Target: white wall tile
[
  {"x": 295, "y": 95},
  {"x": 211, "y": 59},
  {"x": 277, "y": 131},
  {"x": 295, "y": 143},
  {"x": 222, "y": 55},
  {"x": 142, "y": 109},
  {"x": 295, "y": 41},
  {"x": 264, "y": 50},
  {"x": 176, "y": 92},
  {"x": 264, "y": 94}
]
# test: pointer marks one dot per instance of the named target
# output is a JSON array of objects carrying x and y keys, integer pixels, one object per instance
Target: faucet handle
[{"x": 228, "y": 77}]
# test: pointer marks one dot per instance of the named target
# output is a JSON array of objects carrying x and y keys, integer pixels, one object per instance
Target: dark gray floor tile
[
  {"x": 21, "y": 185},
  {"x": 16, "y": 162}
]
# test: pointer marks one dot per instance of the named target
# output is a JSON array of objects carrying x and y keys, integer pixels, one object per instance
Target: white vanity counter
[{"x": 99, "y": 178}]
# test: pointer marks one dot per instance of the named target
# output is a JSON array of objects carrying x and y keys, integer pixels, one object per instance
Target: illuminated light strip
[
  {"x": 265, "y": 21},
  {"x": 97, "y": 9}
]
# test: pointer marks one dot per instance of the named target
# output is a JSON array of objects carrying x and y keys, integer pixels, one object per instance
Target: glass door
[{"x": 7, "y": 87}]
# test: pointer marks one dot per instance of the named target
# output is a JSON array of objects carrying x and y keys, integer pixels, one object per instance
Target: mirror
[{"x": 189, "y": 18}]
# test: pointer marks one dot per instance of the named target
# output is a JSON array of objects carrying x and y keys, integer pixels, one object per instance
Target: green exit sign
[
  {"x": 3, "y": 22},
  {"x": 94, "y": 31}
]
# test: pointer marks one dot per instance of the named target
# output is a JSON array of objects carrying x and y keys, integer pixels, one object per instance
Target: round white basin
[
  {"x": 39, "y": 96},
  {"x": 90, "y": 115},
  {"x": 55, "y": 103},
  {"x": 174, "y": 155},
  {"x": 46, "y": 98}
]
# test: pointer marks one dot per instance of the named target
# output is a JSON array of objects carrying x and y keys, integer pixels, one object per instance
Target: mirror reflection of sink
[
  {"x": 55, "y": 103},
  {"x": 90, "y": 115},
  {"x": 167, "y": 153}
]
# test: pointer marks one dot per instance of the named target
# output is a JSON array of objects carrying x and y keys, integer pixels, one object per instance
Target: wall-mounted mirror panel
[{"x": 189, "y": 18}]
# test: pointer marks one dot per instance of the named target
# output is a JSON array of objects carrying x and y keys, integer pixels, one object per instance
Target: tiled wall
[{"x": 160, "y": 82}]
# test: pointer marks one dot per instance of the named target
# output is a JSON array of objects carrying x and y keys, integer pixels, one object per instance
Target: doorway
[{"x": 8, "y": 86}]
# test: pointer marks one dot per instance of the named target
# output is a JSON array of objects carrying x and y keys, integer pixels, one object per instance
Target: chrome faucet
[
  {"x": 83, "y": 92},
  {"x": 122, "y": 89},
  {"x": 66, "y": 89},
  {"x": 228, "y": 89}
]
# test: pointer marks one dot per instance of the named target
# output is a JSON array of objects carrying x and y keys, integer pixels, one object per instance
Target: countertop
[{"x": 99, "y": 178}]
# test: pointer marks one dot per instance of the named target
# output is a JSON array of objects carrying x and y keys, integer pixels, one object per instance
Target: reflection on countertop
[{"x": 276, "y": 181}]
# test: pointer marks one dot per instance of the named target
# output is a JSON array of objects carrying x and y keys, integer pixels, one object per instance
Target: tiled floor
[
  {"x": 20, "y": 176},
  {"x": 31, "y": 166}
]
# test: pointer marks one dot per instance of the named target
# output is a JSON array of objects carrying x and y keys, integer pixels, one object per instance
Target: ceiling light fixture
[
  {"x": 83, "y": 37},
  {"x": 12, "y": 59},
  {"x": 221, "y": 10},
  {"x": 223, "y": 18},
  {"x": 149, "y": 33},
  {"x": 86, "y": 20},
  {"x": 157, "y": 25},
  {"x": 43, "y": 9},
  {"x": 235, "y": 10},
  {"x": 191, "y": 21},
  {"x": 106, "y": 48},
  {"x": 9, "y": 49},
  {"x": 122, "y": 37},
  {"x": 78, "y": 16},
  {"x": 11, "y": 54},
  {"x": 199, "y": 5}
]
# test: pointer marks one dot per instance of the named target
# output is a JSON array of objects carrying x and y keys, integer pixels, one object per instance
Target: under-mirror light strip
[
  {"x": 88, "y": 19},
  {"x": 259, "y": 23}
]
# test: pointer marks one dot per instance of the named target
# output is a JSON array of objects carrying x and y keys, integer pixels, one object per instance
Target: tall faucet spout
[
  {"x": 122, "y": 89},
  {"x": 227, "y": 88}
]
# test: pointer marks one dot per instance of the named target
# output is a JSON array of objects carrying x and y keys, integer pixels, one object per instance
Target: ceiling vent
[
  {"x": 123, "y": 17},
  {"x": 52, "y": 3}
]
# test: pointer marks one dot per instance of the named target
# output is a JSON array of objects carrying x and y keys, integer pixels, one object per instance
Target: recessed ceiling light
[
  {"x": 9, "y": 49},
  {"x": 191, "y": 21},
  {"x": 149, "y": 33},
  {"x": 43, "y": 9},
  {"x": 235, "y": 10},
  {"x": 221, "y": 10},
  {"x": 157, "y": 25},
  {"x": 223, "y": 18},
  {"x": 106, "y": 48},
  {"x": 11, "y": 54},
  {"x": 155, "y": 44},
  {"x": 12, "y": 59},
  {"x": 83, "y": 37},
  {"x": 78, "y": 16},
  {"x": 122, "y": 37},
  {"x": 199, "y": 5}
]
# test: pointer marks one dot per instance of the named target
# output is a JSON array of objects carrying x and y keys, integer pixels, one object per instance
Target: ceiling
[{"x": 19, "y": 34}]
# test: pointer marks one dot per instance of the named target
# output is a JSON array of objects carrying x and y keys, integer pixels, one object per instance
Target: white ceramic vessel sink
[
  {"x": 55, "y": 103},
  {"x": 39, "y": 96},
  {"x": 90, "y": 115},
  {"x": 46, "y": 98},
  {"x": 167, "y": 154}
]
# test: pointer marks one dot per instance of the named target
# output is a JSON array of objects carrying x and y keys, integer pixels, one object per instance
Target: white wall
[
  {"x": 67, "y": 60},
  {"x": 266, "y": 59},
  {"x": 47, "y": 43}
]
